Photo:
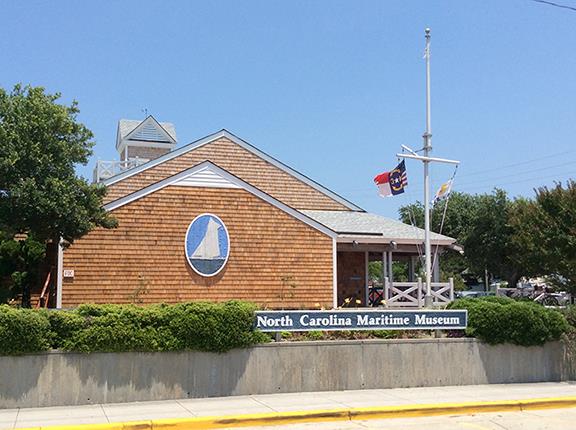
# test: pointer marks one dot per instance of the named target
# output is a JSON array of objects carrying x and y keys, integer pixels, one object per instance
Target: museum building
[{"x": 219, "y": 219}]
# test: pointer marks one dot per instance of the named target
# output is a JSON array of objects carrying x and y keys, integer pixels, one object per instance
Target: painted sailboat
[
  {"x": 209, "y": 247},
  {"x": 208, "y": 258}
]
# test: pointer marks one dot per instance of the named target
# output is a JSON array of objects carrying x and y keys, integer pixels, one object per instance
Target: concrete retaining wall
[{"x": 58, "y": 378}]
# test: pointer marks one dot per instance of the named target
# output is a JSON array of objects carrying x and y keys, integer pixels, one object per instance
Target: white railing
[
  {"x": 411, "y": 294},
  {"x": 107, "y": 169},
  {"x": 403, "y": 294}
]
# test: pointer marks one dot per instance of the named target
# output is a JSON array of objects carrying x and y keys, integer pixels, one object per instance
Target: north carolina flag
[{"x": 392, "y": 183}]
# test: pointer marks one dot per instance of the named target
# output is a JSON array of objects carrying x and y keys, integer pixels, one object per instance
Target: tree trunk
[{"x": 26, "y": 296}]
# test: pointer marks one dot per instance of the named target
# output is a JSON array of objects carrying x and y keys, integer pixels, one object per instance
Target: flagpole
[
  {"x": 427, "y": 148},
  {"x": 426, "y": 160}
]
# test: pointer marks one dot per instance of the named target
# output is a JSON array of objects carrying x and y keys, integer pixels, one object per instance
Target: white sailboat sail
[{"x": 209, "y": 247}]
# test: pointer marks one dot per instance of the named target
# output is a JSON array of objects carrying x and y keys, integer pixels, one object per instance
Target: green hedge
[
  {"x": 503, "y": 320},
  {"x": 23, "y": 330},
  {"x": 220, "y": 327},
  {"x": 570, "y": 314},
  {"x": 200, "y": 326}
]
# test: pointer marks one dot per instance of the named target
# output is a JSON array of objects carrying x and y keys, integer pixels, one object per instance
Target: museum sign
[{"x": 370, "y": 319}]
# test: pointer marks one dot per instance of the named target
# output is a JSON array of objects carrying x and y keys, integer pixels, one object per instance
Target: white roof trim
[
  {"x": 158, "y": 126},
  {"x": 205, "y": 178},
  {"x": 225, "y": 133},
  {"x": 173, "y": 180},
  {"x": 144, "y": 144},
  {"x": 382, "y": 240}
]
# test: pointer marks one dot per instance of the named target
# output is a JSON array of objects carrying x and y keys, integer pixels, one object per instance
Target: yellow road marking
[{"x": 344, "y": 414}]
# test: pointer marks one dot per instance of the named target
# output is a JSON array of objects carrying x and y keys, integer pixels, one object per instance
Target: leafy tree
[
  {"x": 41, "y": 198},
  {"x": 544, "y": 243},
  {"x": 480, "y": 224},
  {"x": 457, "y": 224},
  {"x": 20, "y": 262},
  {"x": 510, "y": 238},
  {"x": 487, "y": 244},
  {"x": 459, "y": 214}
]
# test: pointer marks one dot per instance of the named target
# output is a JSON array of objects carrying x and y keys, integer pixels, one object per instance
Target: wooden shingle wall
[
  {"x": 351, "y": 278},
  {"x": 240, "y": 162},
  {"x": 275, "y": 259},
  {"x": 144, "y": 152}
]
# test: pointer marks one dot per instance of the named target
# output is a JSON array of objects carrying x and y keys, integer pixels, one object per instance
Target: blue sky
[{"x": 331, "y": 88}]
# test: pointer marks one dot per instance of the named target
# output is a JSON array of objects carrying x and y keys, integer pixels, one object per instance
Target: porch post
[
  {"x": 366, "y": 279},
  {"x": 411, "y": 267},
  {"x": 334, "y": 274},
  {"x": 384, "y": 265},
  {"x": 436, "y": 270},
  {"x": 390, "y": 274},
  {"x": 59, "y": 275},
  {"x": 384, "y": 280}
]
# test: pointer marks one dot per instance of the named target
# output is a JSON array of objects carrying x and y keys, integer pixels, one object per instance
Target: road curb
[{"x": 344, "y": 414}]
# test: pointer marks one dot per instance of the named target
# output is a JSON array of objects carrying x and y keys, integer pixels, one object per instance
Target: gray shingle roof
[
  {"x": 349, "y": 223},
  {"x": 126, "y": 126}
]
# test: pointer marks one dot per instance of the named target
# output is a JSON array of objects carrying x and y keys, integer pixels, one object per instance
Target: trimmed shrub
[
  {"x": 62, "y": 325},
  {"x": 496, "y": 299},
  {"x": 115, "y": 328},
  {"x": 200, "y": 326},
  {"x": 213, "y": 327},
  {"x": 502, "y": 320},
  {"x": 23, "y": 330},
  {"x": 570, "y": 314}
]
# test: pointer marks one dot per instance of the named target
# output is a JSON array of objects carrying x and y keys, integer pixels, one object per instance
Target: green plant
[
  {"x": 384, "y": 334},
  {"x": 136, "y": 296},
  {"x": 42, "y": 198},
  {"x": 118, "y": 328},
  {"x": 186, "y": 326},
  {"x": 288, "y": 288},
  {"x": 63, "y": 325},
  {"x": 501, "y": 320},
  {"x": 314, "y": 335},
  {"x": 214, "y": 326},
  {"x": 499, "y": 299},
  {"x": 115, "y": 328},
  {"x": 22, "y": 331},
  {"x": 570, "y": 314}
]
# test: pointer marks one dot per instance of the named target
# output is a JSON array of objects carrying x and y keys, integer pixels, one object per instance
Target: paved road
[
  {"x": 553, "y": 419},
  {"x": 269, "y": 403}
]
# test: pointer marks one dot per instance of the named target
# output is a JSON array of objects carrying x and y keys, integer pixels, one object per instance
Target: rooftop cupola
[
  {"x": 137, "y": 142},
  {"x": 144, "y": 140}
]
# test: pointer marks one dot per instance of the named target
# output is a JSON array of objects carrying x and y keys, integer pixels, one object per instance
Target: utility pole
[{"x": 426, "y": 159}]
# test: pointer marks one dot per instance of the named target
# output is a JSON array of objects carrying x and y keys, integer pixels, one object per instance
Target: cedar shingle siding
[
  {"x": 145, "y": 152},
  {"x": 275, "y": 259},
  {"x": 240, "y": 162}
]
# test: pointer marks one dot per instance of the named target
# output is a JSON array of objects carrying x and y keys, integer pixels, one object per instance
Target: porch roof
[{"x": 365, "y": 227}]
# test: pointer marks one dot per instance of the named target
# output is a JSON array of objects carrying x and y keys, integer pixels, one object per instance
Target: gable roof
[
  {"x": 147, "y": 129},
  {"x": 208, "y": 169},
  {"x": 364, "y": 226},
  {"x": 242, "y": 143}
]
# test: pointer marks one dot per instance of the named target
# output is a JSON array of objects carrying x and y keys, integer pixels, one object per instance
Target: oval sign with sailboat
[{"x": 207, "y": 245}]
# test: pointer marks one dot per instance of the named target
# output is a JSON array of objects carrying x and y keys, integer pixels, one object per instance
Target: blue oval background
[{"x": 197, "y": 232}]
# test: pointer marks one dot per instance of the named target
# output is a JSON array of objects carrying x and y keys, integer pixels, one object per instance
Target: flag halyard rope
[{"x": 444, "y": 214}]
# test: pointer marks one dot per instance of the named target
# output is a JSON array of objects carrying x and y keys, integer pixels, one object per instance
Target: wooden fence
[{"x": 411, "y": 294}]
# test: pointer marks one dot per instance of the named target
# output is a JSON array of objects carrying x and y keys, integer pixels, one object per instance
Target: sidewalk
[{"x": 271, "y": 403}]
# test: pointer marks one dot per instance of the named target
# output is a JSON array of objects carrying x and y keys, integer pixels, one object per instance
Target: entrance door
[{"x": 351, "y": 278}]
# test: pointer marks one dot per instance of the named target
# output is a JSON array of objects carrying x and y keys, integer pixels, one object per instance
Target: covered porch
[
  {"x": 370, "y": 275},
  {"x": 379, "y": 261}
]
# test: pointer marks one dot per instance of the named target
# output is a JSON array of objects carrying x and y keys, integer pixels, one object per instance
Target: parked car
[{"x": 472, "y": 294}]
